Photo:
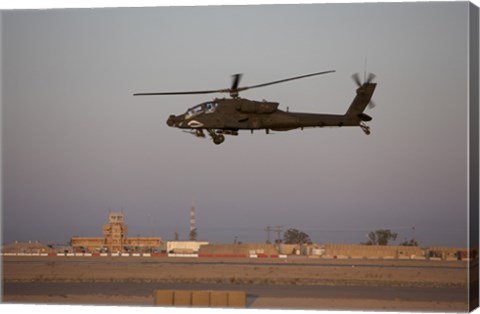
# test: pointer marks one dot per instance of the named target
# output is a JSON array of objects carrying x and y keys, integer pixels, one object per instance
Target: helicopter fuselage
[
  {"x": 244, "y": 114},
  {"x": 228, "y": 115}
]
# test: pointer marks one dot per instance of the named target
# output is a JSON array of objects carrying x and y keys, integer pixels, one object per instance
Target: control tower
[{"x": 115, "y": 232}]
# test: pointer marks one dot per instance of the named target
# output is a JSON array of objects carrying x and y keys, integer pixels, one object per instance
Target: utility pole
[
  {"x": 268, "y": 229},
  {"x": 278, "y": 230},
  {"x": 176, "y": 234},
  {"x": 414, "y": 235}
]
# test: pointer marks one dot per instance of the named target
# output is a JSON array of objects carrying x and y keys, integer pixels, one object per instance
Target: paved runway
[{"x": 146, "y": 289}]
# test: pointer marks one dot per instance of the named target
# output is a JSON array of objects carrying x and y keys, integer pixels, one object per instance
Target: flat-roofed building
[
  {"x": 182, "y": 246},
  {"x": 25, "y": 248},
  {"x": 115, "y": 239}
]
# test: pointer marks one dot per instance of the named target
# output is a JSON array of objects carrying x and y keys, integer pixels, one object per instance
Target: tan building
[
  {"x": 449, "y": 253},
  {"x": 372, "y": 251},
  {"x": 116, "y": 239},
  {"x": 87, "y": 244},
  {"x": 238, "y": 250},
  {"x": 25, "y": 248}
]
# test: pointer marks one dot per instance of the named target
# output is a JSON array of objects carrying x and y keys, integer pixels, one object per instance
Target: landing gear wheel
[
  {"x": 365, "y": 128},
  {"x": 218, "y": 139}
]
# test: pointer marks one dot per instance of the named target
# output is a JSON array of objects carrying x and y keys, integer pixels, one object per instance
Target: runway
[
  {"x": 269, "y": 283},
  {"x": 253, "y": 291}
]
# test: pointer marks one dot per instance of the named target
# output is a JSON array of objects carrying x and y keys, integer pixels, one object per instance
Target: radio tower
[{"x": 193, "y": 227}]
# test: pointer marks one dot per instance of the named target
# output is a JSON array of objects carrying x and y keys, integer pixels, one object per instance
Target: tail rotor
[
  {"x": 365, "y": 89},
  {"x": 356, "y": 79},
  {"x": 368, "y": 79}
]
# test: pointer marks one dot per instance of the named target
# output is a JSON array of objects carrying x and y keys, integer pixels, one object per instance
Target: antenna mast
[{"x": 193, "y": 225}]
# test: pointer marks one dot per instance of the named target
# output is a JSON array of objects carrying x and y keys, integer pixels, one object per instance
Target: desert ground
[{"x": 403, "y": 285}]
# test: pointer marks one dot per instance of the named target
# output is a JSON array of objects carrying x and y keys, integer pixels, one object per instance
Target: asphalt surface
[{"x": 146, "y": 289}]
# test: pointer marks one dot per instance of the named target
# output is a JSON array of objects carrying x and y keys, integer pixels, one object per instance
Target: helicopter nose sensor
[{"x": 171, "y": 120}]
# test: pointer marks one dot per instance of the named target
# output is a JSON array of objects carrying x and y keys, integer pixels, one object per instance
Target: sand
[{"x": 242, "y": 271}]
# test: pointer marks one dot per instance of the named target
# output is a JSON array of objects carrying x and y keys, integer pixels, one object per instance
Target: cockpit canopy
[{"x": 206, "y": 107}]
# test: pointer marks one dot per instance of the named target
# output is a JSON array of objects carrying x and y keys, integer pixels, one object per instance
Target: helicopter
[{"x": 227, "y": 116}]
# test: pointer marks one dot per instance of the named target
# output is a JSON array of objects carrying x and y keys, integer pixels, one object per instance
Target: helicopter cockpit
[{"x": 206, "y": 107}]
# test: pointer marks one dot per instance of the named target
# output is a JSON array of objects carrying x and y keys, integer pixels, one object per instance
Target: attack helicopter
[{"x": 226, "y": 116}]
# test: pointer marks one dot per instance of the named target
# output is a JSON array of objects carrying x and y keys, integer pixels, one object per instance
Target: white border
[
  {"x": 55, "y": 4},
  {"x": 43, "y": 4}
]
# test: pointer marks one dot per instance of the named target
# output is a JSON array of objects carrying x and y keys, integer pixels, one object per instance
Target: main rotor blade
[
  {"x": 185, "y": 93},
  {"x": 284, "y": 80},
  {"x": 235, "y": 89},
  {"x": 236, "y": 80}
]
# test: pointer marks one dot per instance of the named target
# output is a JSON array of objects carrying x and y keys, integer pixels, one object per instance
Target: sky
[{"x": 76, "y": 144}]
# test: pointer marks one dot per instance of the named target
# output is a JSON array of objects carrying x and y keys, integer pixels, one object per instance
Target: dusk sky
[{"x": 77, "y": 144}]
